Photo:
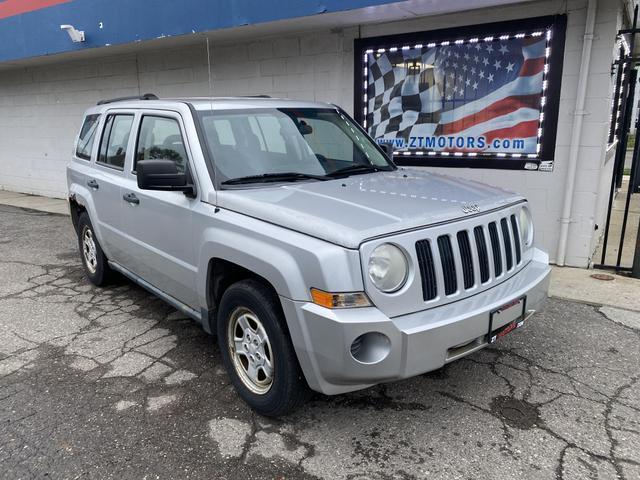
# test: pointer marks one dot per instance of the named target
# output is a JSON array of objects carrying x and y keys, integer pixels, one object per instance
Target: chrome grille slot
[
  {"x": 506, "y": 236},
  {"x": 516, "y": 238},
  {"x": 427, "y": 270},
  {"x": 466, "y": 259},
  {"x": 495, "y": 247},
  {"x": 448, "y": 264},
  {"x": 483, "y": 255}
]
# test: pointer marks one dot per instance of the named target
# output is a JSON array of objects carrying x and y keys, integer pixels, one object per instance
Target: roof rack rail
[
  {"x": 256, "y": 96},
  {"x": 146, "y": 96}
]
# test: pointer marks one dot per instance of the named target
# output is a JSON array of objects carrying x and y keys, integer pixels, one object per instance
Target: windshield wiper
[
  {"x": 356, "y": 169},
  {"x": 274, "y": 177}
]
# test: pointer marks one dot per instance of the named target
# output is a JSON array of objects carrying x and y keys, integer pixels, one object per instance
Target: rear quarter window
[
  {"x": 115, "y": 139},
  {"x": 87, "y": 137}
]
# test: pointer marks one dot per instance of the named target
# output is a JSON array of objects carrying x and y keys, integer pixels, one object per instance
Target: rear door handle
[
  {"x": 93, "y": 184},
  {"x": 131, "y": 198}
]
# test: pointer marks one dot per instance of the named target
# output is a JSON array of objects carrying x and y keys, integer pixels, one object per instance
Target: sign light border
[{"x": 552, "y": 27}]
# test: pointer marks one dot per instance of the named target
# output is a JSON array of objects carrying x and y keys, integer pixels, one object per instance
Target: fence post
[{"x": 635, "y": 272}]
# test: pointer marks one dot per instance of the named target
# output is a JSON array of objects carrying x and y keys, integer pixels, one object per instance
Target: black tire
[
  {"x": 288, "y": 388},
  {"x": 100, "y": 274}
]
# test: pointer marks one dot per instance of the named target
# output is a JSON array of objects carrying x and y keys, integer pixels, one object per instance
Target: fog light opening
[{"x": 371, "y": 347}]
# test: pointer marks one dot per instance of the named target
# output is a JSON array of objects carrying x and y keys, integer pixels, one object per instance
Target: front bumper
[{"x": 420, "y": 342}]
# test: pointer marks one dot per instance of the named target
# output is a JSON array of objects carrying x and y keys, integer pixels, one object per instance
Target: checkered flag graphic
[
  {"x": 403, "y": 93},
  {"x": 490, "y": 89}
]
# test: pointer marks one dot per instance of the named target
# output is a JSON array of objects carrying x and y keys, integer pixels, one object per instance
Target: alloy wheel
[
  {"x": 250, "y": 350},
  {"x": 89, "y": 250}
]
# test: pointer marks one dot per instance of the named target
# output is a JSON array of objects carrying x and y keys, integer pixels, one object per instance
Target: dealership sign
[{"x": 484, "y": 96}]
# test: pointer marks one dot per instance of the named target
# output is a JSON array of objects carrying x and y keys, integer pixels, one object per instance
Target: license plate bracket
[{"x": 514, "y": 311}]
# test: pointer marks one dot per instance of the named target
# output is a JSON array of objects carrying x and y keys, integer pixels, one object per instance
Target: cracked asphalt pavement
[{"x": 114, "y": 383}]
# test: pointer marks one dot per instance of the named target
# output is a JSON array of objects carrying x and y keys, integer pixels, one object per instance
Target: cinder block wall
[{"x": 41, "y": 107}]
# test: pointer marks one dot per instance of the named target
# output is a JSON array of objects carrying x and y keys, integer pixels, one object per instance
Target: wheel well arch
[
  {"x": 221, "y": 274},
  {"x": 75, "y": 209}
]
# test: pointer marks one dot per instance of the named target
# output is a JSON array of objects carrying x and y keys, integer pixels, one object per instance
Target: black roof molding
[{"x": 146, "y": 96}]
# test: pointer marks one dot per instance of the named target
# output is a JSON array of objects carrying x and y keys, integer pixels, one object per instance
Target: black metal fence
[{"x": 625, "y": 69}]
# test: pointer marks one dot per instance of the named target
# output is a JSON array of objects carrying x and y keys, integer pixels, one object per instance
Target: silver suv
[{"x": 282, "y": 227}]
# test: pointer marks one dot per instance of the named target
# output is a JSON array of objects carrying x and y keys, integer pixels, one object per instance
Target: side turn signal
[{"x": 340, "y": 300}]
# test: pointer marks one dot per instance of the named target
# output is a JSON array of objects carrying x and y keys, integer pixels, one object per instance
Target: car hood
[{"x": 351, "y": 210}]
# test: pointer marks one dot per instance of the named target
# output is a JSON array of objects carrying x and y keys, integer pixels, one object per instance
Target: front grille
[
  {"x": 448, "y": 265},
  {"x": 506, "y": 236},
  {"x": 427, "y": 270},
  {"x": 466, "y": 259},
  {"x": 495, "y": 248},
  {"x": 516, "y": 238},
  {"x": 468, "y": 256},
  {"x": 483, "y": 255}
]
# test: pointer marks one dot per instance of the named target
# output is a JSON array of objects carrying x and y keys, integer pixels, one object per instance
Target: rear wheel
[
  {"x": 95, "y": 263},
  {"x": 257, "y": 351}
]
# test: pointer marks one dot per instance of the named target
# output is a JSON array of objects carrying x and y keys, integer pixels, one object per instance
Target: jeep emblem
[{"x": 470, "y": 208}]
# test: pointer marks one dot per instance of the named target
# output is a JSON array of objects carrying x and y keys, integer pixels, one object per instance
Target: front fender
[{"x": 290, "y": 261}]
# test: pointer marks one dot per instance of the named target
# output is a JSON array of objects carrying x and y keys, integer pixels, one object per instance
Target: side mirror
[
  {"x": 388, "y": 149},
  {"x": 305, "y": 128},
  {"x": 162, "y": 175}
]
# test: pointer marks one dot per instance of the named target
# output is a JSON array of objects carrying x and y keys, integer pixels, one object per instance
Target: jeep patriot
[{"x": 284, "y": 229}]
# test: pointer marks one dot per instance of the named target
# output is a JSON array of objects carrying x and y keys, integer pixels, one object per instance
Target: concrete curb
[
  {"x": 576, "y": 284},
  {"x": 34, "y": 202}
]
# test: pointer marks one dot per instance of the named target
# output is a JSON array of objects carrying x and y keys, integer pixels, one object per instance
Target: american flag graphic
[{"x": 481, "y": 88}]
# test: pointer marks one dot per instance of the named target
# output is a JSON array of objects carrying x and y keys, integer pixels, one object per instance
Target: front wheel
[{"x": 257, "y": 351}]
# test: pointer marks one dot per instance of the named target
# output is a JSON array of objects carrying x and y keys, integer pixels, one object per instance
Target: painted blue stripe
[{"x": 111, "y": 22}]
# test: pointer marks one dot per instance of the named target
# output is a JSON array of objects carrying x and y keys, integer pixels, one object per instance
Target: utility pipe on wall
[{"x": 576, "y": 132}]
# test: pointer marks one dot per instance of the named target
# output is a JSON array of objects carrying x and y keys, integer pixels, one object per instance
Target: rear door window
[
  {"x": 115, "y": 138},
  {"x": 87, "y": 137}
]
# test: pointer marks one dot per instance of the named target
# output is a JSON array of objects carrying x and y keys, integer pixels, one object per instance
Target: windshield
[{"x": 287, "y": 144}]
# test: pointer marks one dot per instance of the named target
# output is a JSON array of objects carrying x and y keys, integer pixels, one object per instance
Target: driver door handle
[
  {"x": 93, "y": 184},
  {"x": 131, "y": 198}
]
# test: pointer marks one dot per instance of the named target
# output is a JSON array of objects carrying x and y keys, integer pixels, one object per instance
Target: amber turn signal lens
[{"x": 339, "y": 300}]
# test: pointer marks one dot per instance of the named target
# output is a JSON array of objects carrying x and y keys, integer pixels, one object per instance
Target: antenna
[{"x": 209, "y": 69}]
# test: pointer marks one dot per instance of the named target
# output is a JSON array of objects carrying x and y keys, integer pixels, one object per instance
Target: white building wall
[{"x": 41, "y": 107}]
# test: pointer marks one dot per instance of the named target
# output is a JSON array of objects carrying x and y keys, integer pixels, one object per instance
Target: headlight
[
  {"x": 388, "y": 268},
  {"x": 526, "y": 227}
]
